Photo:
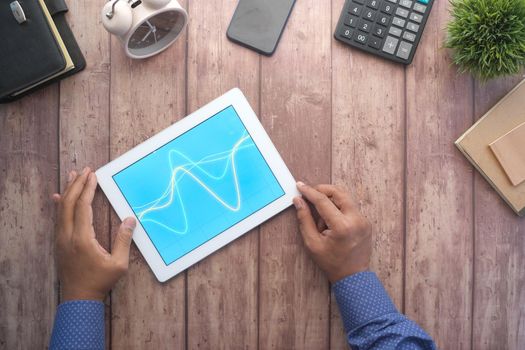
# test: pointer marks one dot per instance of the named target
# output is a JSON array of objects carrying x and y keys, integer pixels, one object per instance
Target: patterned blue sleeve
[
  {"x": 79, "y": 324},
  {"x": 371, "y": 320}
]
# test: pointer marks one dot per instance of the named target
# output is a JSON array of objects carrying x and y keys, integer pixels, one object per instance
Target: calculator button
[
  {"x": 360, "y": 37},
  {"x": 350, "y": 21},
  {"x": 420, "y": 8},
  {"x": 409, "y": 36},
  {"x": 393, "y": 1},
  {"x": 412, "y": 27},
  {"x": 374, "y": 42},
  {"x": 390, "y": 45},
  {"x": 404, "y": 50},
  {"x": 398, "y": 22},
  {"x": 361, "y": 2},
  {"x": 379, "y": 31},
  {"x": 394, "y": 31},
  {"x": 355, "y": 10},
  {"x": 373, "y": 4},
  {"x": 405, "y": 3},
  {"x": 402, "y": 12},
  {"x": 347, "y": 33},
  {"x": 364, "y": 26},
  {"x": 383, "y": 20},
  {"x": 387, "y": 8},
  {"x": 369, "y": 15},
  {"x": 415, "y": 17},
  {"x": 424, "y": 1}
]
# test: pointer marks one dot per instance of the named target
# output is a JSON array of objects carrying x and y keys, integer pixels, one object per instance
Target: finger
[
  {"x": 339, "y": 196},
  {"x": 321, "y": 225},
  {"x": 74, "y": 190},
  {"x": 56, "y": 197},
  {"x": 88, "y": 193},
  {"x": 83, "y": 209},
  {"x": 71, "y": 177},
  {"x": 120, "y": 253},
  {"x": 307, "y": 224},
  {"x": 326, "y": 208}
]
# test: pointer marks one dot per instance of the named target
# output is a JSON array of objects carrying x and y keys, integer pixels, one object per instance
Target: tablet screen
[{"x": 198, "y": 185}]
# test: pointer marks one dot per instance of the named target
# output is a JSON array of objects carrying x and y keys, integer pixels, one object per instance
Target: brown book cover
[
  {"x": 505, "y": 116},
  {"x": 510, "y": 151}
]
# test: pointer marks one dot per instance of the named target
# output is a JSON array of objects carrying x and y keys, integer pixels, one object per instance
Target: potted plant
[{"x": 487, "y": 37}]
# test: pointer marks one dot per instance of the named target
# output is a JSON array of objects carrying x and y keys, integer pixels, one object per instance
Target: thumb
[
  {"x": 120, "y": 251},
  {"x": 307, "y": 224}
]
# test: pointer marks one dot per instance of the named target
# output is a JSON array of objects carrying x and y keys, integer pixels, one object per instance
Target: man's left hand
[{"x": 85, "y": 269}]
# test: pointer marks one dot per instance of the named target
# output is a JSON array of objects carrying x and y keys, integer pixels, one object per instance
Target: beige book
[
  {"x": 69, "y": 62},
  {"x": 505, "y": 116},
  {"x": 510, "y": 151}
]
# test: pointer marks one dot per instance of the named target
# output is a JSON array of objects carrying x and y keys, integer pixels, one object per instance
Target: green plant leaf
[{"x": 487, "y": 37}]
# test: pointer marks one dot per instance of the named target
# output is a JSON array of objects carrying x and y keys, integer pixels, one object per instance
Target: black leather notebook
[{"x": 30, "y": 52}]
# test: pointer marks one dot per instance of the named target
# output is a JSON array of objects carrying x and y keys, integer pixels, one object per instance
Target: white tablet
[{"x": 199, "y": 184}]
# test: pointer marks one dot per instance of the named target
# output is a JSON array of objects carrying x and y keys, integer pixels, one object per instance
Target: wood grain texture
[
  {"x": 28, "y": 177},
  {"x": 295, "y": 108},
  {"x": 499, "y": 273},
  {"x": 335, "y": 114},
  {"x": 222, "y": 289},
  {"x": 368, "y": 155},
  {"x": 439, "y": 209},
  {"x": 146, "y": 97},
  {"x": 84, "y": 113}
]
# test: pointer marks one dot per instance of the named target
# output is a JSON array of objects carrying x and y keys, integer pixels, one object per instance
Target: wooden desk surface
[{"x": 450, "y": 252}]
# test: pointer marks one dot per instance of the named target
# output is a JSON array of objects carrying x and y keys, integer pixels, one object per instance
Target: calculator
[{"x": 388, "y": 28}]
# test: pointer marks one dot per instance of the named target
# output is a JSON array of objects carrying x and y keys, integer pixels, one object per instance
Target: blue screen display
[{"x": 198, "y": 185}]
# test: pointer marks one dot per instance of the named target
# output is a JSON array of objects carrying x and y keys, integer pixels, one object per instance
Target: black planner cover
[{"x": 29, "y": 52}]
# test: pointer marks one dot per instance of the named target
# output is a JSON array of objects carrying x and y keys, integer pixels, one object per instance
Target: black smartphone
[{"x": 258, "y": 24}]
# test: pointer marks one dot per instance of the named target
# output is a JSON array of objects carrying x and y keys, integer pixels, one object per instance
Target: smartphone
[{"x": 258, "y": 24}]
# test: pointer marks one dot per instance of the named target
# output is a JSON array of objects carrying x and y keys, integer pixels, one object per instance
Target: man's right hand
[{"x": 340, "y": 242}]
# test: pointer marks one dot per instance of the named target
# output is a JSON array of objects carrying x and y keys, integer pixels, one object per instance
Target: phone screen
[{"x": 258, "y": 24}]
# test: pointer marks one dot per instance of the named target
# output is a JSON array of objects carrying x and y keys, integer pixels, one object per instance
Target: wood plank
[
  {"x": 368, "y": 155},
  {"x": 439, "y": 211},
  {"x": 146, "y": 97},
  {"x": 28, "y": 177},
  {"x": 295, "y": 101},
  {"x": 499, "y": 296},
  {"x": 84, "y": 113},
  {"x": 222, "y": 289}
]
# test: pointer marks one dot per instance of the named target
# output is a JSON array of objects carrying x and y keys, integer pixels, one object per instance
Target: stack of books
[
  {"x": 495, "y": 145},
  {"x": 37, "y": 48}
]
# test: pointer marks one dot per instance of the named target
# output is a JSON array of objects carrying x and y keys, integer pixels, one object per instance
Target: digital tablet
[{"x": 199, "y": 184}]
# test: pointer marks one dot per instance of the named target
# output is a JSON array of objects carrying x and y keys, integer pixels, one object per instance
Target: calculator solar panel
[{"x": 389, "y": 28}]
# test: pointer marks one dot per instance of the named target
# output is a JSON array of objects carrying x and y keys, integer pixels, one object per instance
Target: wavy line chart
[
  {"x": 173, "y": 193},
  {"x": 198, "y": 185}
]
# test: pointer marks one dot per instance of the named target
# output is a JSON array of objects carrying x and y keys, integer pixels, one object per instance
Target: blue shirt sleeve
[
  {"x": 79, "y": 324},
  {"x": 371, "y": 320}
]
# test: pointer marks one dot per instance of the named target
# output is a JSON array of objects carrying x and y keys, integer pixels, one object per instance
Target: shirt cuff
[
  {"x": 79, "y": 324},
  {"x": 361, "y": 297}
]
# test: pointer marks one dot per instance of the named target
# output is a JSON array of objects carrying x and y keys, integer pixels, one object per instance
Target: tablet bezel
[{"x": 259, "y": 136}]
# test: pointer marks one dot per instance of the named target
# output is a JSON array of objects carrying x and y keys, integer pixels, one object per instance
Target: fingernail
[
  {"x": 85, "y": 171},
  {"x": 130, "y": 223},
  {"x": 300, "y": 183},
  {"x": 298, "y": 202}
]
